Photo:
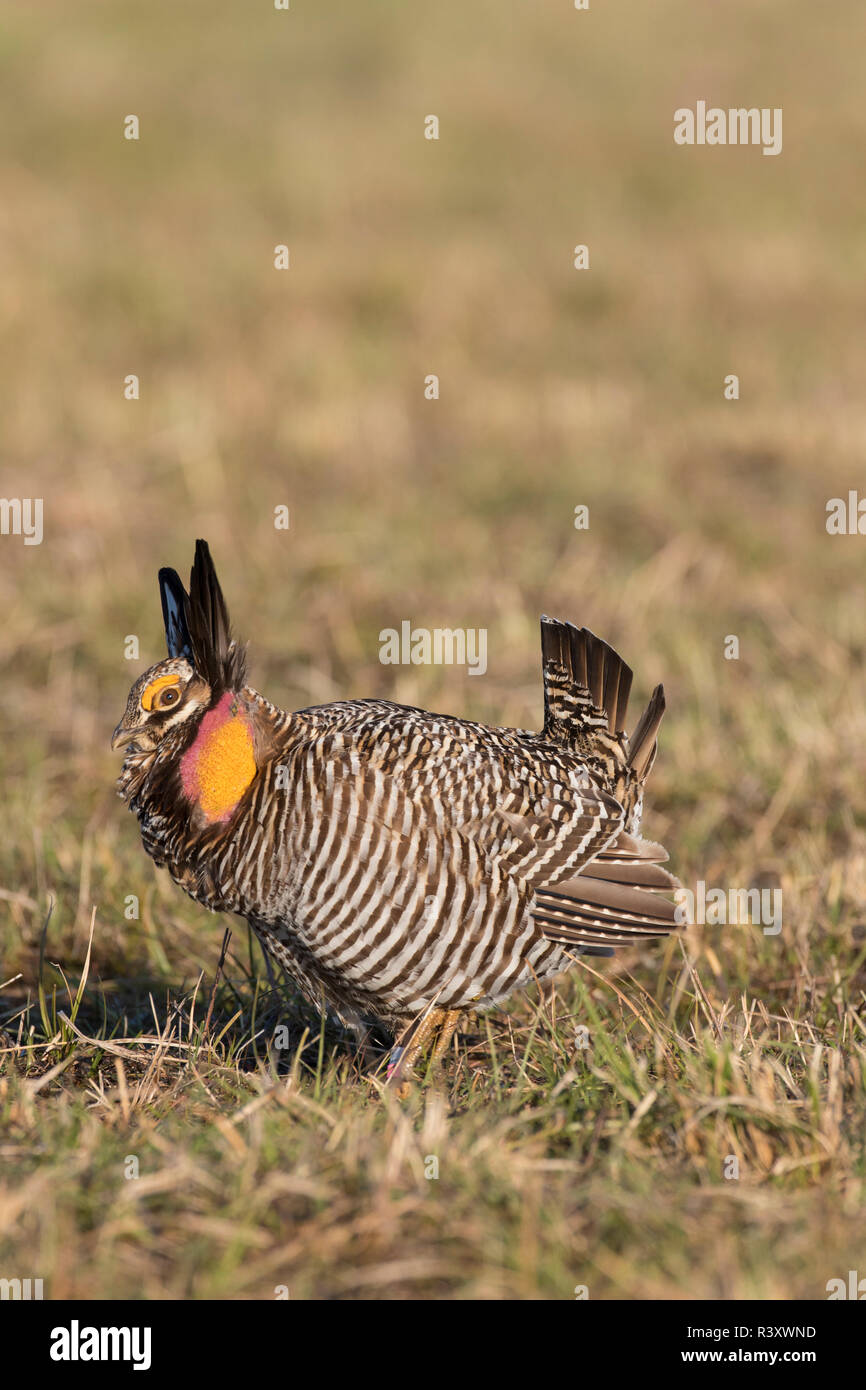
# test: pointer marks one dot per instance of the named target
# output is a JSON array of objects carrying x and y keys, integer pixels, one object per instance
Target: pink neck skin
[{"x": 212, "y": 721}]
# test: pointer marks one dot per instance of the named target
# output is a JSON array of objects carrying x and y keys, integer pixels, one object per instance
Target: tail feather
[
  {"x": 591, "y": 911},
  {"x": 642, "y": 744},
  {"x": 626, "y": 849},
  {"x": 621, "y": 896},
  {"x": 586, "y": 683},
  {"x": 642, "y": 875},
  {"x": 622, "y": 901}
]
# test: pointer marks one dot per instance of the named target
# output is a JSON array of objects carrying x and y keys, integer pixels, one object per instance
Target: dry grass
[{"x": 558, "y": 1166}]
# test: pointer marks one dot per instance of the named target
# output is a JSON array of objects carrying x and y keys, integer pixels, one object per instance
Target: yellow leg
[
  {"x": 414, "y": 1038},
  {"x": 450, "y": 1019}
]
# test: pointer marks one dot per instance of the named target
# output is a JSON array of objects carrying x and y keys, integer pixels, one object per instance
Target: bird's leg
[
  {"x": 450, "y": 1019},
  {"x": 405, "y": 1052}
]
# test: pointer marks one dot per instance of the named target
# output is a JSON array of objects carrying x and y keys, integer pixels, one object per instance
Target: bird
[{"x": 402, "y": 867}]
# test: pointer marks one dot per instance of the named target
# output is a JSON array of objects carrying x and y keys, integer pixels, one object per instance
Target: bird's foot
[{"x": 404, "y": 1053}]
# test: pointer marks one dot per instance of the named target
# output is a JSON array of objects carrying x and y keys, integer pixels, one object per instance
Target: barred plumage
[{"x": 395, "y": 862}]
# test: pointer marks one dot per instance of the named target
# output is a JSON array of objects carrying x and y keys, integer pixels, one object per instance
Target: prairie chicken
[{"x": 401, "y": 865}]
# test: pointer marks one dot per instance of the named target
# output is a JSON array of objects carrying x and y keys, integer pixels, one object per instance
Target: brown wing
[{"x": 614, "y": 901}]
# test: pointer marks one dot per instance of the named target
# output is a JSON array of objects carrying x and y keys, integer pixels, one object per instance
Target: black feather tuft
[
  {"x": 175, "y": 602},
  {"x": 197, "y": 624}
]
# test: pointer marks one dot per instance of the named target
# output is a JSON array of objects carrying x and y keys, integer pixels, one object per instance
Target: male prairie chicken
[{"x": 401, "y": 865}]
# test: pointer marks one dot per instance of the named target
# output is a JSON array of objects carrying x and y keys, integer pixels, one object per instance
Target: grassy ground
[{"x": 558, "y": 1165}]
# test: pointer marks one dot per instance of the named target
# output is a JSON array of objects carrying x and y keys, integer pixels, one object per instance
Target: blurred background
[{"x": 558, "y": 388}]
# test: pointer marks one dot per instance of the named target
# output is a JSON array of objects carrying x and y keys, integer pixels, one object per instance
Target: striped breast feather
[
  {"x": 553, "y": 840},
  {"x": 591, "y": 883},
  {"x": 615, "y": 901}
]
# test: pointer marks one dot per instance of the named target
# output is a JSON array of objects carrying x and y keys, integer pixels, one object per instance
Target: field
[{"x": 154, "y": 1143}]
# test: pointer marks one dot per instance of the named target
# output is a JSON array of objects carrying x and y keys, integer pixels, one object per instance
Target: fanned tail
[{"x": 586, "y": 683}]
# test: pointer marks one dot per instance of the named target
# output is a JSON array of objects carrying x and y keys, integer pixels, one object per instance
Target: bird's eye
[{"x": 166, "y": 698}]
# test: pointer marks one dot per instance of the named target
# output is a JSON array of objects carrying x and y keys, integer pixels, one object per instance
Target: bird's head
[
  {"x": 169, "y": 694},
  {"x": 203, "y": 661}
]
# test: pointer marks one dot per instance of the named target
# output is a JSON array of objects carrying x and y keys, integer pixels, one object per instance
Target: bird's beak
[{"x": 123, "y": 735}]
